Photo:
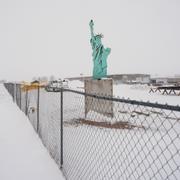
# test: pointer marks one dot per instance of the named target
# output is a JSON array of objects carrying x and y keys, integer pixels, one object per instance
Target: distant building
[
  {"x": 143, "y": 79},
  {"x": 166, "y": 80},
  {"x": 122, "y": 78},
  {"x": 131, "y": 78},
  {"x": 159, "y": 81},
  {"x": 174, "y": 80}
]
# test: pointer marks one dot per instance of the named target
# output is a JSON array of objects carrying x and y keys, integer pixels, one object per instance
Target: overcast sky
[{"x": 51, "y": 37}]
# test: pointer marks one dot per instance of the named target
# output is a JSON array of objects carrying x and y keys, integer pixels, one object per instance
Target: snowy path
[{"x": 22, "y": 155}]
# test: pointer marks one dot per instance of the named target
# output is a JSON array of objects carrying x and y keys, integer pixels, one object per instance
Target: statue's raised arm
[{"x": 91, "y": 24}]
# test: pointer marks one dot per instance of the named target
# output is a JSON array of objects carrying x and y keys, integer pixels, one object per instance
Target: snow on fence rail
[{"x": 140, "y": 141}]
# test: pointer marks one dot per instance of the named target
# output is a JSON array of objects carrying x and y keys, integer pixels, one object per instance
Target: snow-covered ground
[
  {"x": 76, "y": 84},
  {"x": 22, "y": 155},
  {"x": 91, "y": 152},
  {"x": 141, "y": 93},
  {"x": 151, "y": 152},
  {"x": 135, "y": 92}
]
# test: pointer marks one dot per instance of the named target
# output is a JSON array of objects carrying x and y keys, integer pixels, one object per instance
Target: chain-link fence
[
  {"x": 49, "y": 122},
  {"x": 137, "y": 140},
  {"x": 11, "y": 89}
]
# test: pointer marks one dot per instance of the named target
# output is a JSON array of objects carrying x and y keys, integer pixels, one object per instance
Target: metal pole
[
  {"x": 13, "y": 93},
  {"x": 16, "y": 95},
  {"x": 26, "y": 110},
  {"x": 61, "y": 130},
  {"x": 20, "y": 95},
  {"x": 38, "y": 91}
]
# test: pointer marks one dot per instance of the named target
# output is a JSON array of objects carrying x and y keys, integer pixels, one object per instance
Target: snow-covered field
[
  {"x": 141, "y": 93},
  {"x": 149, "y": 150},
  {"x": 22, "y": 155},
  {"x": 135, "y": 92}
]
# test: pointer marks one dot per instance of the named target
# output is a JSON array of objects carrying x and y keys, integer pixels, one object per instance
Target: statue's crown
[{"x": 100, "y": 35}]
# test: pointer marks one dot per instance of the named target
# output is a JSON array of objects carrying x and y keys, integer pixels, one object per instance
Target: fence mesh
[
  {"x": 18, "y": 94},
  {"x": 137, "y": 141},
  {"x": 24, "y": 99},
  {"x": 49, "y": 122},
  {"x": 11, "y": 89},
  {"x": 32, "y": 107}
]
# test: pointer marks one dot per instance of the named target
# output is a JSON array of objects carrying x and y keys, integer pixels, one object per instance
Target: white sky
[{"x": 51, "y": 37}]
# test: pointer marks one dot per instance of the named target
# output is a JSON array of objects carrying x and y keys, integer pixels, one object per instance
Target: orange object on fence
[{"x": 32, "y": 86}]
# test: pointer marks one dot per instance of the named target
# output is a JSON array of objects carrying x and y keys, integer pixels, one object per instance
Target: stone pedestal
[{"x": 103, "y": 87}]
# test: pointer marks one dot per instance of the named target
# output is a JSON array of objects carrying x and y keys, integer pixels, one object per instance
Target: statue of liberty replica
[{"x": 99, "y": 54}]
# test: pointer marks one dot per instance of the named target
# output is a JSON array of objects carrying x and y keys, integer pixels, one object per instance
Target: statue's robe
[{"x": 100, "y": 55}]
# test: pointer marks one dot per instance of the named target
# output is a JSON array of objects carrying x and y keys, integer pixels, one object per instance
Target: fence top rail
[{"x": 128, "y": 101}]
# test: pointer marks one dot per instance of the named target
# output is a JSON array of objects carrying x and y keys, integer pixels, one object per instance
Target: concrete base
[{"x": 103, "y": 87}]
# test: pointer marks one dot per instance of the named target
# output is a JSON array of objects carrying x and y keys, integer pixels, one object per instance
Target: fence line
[{"x": 139, "y": 141}]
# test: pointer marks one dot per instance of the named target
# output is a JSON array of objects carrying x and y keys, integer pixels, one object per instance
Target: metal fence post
[
  {"x": 61, "y": 130},
  {"x": 20, "y": 95},
  {"x": 38, "y": 91},
  {"x": 26, "y": 110},
  {"x": 13, "y": 93},
  {"x": 16, "y": 95}
]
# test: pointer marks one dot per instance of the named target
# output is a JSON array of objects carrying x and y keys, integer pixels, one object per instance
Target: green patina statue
[{"x": 99, "y": 54}]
